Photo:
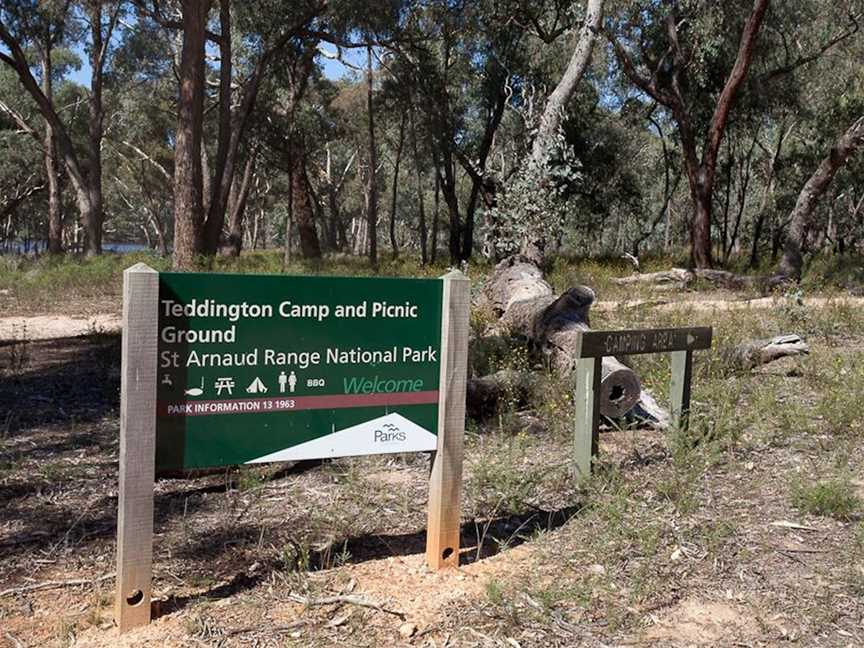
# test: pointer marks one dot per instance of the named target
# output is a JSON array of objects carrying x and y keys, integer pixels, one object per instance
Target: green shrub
[{"x": 834, "y": 498}]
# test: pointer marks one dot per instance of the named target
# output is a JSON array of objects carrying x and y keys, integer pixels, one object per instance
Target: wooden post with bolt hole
[
  {"x": 445, "y": 481},
  {"x": 137, "y": 447},
  {"x": 595, "y": 345}
]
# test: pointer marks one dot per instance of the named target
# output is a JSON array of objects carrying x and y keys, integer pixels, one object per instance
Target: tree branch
[
  {"x": 645, "y": 84},
  {"x": 22, "y": 123},
  {"x": 733, "y": 82},
  {"x": 804, "y": 60},
  {"x": 147, "y": 158}
]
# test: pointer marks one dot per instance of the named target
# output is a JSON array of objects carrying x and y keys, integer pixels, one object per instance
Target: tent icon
[{"x": 256, "y": 387}]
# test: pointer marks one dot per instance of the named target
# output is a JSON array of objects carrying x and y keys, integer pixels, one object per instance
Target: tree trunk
[
  {"x": 433, "y": 252},
  {"x": 159, "y": 228},
  {"x": 19, "y": 62},
  {"x": 302, "y": 209},
  {"x": 700, "y": 172},
  {"x": 332, "y": 204},
  {"x": 700, "y": 232},
  {"x": 741, "y": 194},
  {"x": 214, "y": 190},
  {"x": 420, "y": 202},
  {"x": 93, "y": 217},
  {"x": 727, "y": 202},
  {"x": 237, "y": 207},
  {"x": 188, "y": 187},
  {"x": 394, "y": 245},
  {"x": 750, "y": 355},
  {"x": 52, "y": 171},
  {"x": 792, "y": 262},
  {"x": 289, "y": 222},
  {"x": 334, "y": 225},
  {"x": 767, "y": 193},
  {"x": 556, "y": 105},
  {"x": 371, "y": 180},
  {"x": 447, "y": 184}
]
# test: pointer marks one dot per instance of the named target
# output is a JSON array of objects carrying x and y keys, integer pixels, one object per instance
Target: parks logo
[{"x": 388, "y": 433}]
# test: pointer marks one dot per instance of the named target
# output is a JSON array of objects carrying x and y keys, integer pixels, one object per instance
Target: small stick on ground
[
  {"x": 793, "y": 525},
  {"x": 791, "y": 556},
  {"x": 801, "y": 550},
  {"x": 271, "y": 629},
  {"x": 344, "y": 599},
  {"x": 12, "y": 591},
  {"x": 15, "y": 641}
]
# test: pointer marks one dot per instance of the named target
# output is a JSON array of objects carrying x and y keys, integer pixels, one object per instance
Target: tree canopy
[{"x": 724, "y": 131}]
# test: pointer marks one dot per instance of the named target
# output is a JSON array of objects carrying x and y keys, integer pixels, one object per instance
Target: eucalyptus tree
[
  {"x": 51, "y": 28},
  {"x": 20, "y": 27},
  {"x": 846, "y": 145},
  {"x": 48, "y": 30},
  {"x": 22, "y": 172},
  {"x": 199, "y": 213},
  {"x": 662, "y": 46},
  {"x": 457, "y": 60},
  {"x": 680, "y": 55},
  {"x": 522, "y": 218}
]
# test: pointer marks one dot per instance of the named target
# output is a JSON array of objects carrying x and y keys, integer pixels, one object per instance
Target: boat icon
[{"x": 195, "y": 391}]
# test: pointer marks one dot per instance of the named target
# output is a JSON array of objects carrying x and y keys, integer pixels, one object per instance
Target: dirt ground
[
  {"x": 46, "y": 327},
  {"x": 665, "y": 547}
]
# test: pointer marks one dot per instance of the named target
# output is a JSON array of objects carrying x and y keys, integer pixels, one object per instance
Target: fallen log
[
  {"x": 728, "y": 280},
  {"x": 673, "y": 276},
  {"x": 679, "y": 277},
  {"x": 485, "y": 393},
  {"x": 527, "y": 308},
  {"x": 648, "y": 411},
  {"x": 750, "y": 355}
]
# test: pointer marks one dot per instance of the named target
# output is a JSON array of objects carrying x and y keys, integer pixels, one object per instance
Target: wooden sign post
[
  {"x": 223, "y": 370},
  {"x": 595, "y": 345},
  {"x": 137, "y": 446},
  {"x": 445, "y": 481}
]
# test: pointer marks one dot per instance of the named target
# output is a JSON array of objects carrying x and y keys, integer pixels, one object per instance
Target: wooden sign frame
[
  {"x": 138, "y": 439},
  {"x": 680, "y": 343}
]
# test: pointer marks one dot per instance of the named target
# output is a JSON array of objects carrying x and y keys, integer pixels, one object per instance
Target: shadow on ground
[
  {"x": 68, "y": 380},
  {"x": 480, "y": 539}
]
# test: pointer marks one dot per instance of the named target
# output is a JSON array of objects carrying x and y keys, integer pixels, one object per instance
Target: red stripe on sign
[{"x": 293, "y": 404}]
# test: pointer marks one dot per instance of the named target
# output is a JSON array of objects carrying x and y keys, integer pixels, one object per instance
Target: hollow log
[
  {"x": 528, "y": 308},
  {"x": 750, "y": 355}
]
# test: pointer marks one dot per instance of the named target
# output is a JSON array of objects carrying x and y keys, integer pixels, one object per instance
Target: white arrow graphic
[{"x": 382, "y": 435}]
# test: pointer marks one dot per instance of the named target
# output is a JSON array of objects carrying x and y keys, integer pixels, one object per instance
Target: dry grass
[{"x": 669, "y": 544}]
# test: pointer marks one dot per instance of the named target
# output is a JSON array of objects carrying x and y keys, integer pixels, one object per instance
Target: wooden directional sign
[{"x": 597, "y": 344}]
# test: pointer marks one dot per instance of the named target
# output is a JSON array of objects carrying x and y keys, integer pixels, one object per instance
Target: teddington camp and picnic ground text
[{"x": 232, "y": 313}]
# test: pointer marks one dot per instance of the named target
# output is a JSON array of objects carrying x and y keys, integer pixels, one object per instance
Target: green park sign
[
  {"x": 222, "y": 370},
  {"x": 274, "y": 368}
]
